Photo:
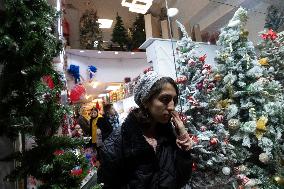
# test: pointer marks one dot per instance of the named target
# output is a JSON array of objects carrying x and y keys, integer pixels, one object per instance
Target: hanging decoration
[
  {"x": 47, "y": 79},
  {"x": 92, "y": 70},
  {"x": 76, "y": 93},
  {"x": 98, "y": 106},
  {"x": 75, "y": 72}
]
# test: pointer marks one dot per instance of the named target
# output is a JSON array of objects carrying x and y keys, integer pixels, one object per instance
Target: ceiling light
[
  {"x": 105, "y": 23},
  {"x": 133, "y": 53},
  {"x": 99, "y": 52},
  {"x": 102, "y": 95},
  {"x": 138, "y": 6},
  {"x": 82, "y": 51},
  {"x": 115, "y": 52},
  {"x": 112, "y": 88},
  {"x": 172, "y": 12},
  {"x": 87, "y": 96},
  {"x": 95, "y": 84}
]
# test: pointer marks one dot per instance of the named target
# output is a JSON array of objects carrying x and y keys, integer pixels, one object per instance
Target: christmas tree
[
  {"x": 138, "y": 32},
  {"x": 252, "y": 113},
  {"x": 30, "y": 96},
  {"x": 90, "y": 33},
  {"x": 119, "y": 34},
  {"x": 212, "y": 154},
  {"x": 274, "y": 18}
]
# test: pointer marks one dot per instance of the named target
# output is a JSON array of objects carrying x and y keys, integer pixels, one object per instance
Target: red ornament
[
  {"x": 269, "y": 35},
  {"x": 47, "y": 79},
  {"x": 218, "y": 119},
  {"x": 192, "y": 100},
  {"x": 76, "y": 172},
  {"x": 194, "y": 139},
  {"x": 181, "y": 80},
  {"x": 206, "y": 66},
  {"x": 148, "y": 70},
  {"x": 213, "y": 141},
  {"x": 199, "y": 86},
  {"x": 183, "y": 117},
  {"x": 58, "y": 152},
  {"x": 194, "y": 167},
  {"x": 77, "y": 92},
  {"x": 202, "y": 58},
  {"x": 243, "y": 178},
  {"x": 98, "y": 106},
  {"x": 191, "y": 62}
]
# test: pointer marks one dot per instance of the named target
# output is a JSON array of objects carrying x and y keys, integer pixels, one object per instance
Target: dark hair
[
  {"x": 95, "y": 109},
  {"x": 142, "y": 115},
  {"x": 107, "y": 107}
]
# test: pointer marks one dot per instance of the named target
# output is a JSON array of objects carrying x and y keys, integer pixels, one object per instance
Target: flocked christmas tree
[
  {"x": 138, "y": 32},
  {"x": 119, "y": 34},
  {"x": 90, "y": 33},
  {"x": 30, "y": 96},
  {"x": 213, "y": 156},
  {"x": 253, "y": 113}
]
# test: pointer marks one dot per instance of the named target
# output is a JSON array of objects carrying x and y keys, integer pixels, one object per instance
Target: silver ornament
[
  {"x": 233, "y": 124},
  {"x": 226, "y": 171},
  {"x": 263, "y": 157}
]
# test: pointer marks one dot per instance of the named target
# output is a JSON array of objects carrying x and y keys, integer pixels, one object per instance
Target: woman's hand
[{"x": 180, "y": 128}]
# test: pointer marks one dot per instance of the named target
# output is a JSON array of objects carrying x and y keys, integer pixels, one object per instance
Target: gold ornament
[
  {"x": 279, "y": 180},
  {"x": 244, "y": 33},
  {"x": 217, "y": 77},
  {"x": 223, "y": 104},
  {"x": 263, "y": 62},
  {"x": 233, "y": 124},
  {"x": 261, "y": 127}
]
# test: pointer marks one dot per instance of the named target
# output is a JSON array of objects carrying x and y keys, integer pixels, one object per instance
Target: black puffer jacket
[{"x": 128, "y": 161}]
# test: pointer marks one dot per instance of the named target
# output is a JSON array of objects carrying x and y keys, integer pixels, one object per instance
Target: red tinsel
[
  {"x": 202, "y": 58},
  {"x": 76, "y": 172},
  {"x": 47, "y": 79},
  {"x": 77, "y": 92},
  {"x": 58, "y": 152},
  {"x": 269, "y": 35}
]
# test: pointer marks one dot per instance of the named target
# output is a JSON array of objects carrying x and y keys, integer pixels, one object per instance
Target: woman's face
[
  {"x": 93, "y": 113},
  {"x": 161, "y": 106}
]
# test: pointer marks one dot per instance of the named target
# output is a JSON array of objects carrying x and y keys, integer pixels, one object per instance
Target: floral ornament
[
  {"x": 261, "y": 127},
  {"x": 202, "y": 58},
  {"x": 263, "y": 61},
  {"x": 269, "y": 35}
]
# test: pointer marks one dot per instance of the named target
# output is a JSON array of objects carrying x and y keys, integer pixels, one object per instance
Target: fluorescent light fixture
[
  {"x": 105, "y": 23},
  {"x": 172, "y": 12},
  {"x": 138, "y": 6},
  {"x": 99, "y": 52},
  {"x": 112, "y": 88},
  {"x": 102, "y": 95},
  {"x": 82, "y": 51},
  {"x": 115, "y": 52}
]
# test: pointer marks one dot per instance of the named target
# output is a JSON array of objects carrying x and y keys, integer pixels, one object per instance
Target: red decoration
[
  {"x": 202, "y": 58},
  {"x": 58, "y": 152},
  {"x": 269, "y": 35},
  {"x": 206, "y": 66},
  {"x": 195, "y": 139},
  {"x": 226, "y": 141},
  {"x": 77, "y": 92},
  {"x": 148, "y": 70},
  {"x": 213, "y": 141},
  {"x": 194, "y": 166},
  {"x": 47, "y": 79},
  {"x": 191, "y": 62},
  {"x": 181, "y": 79},
  {"x": 243, "y": 178},
  {"x": 183, "y": 117},
  {"x": 98, "y": 106},
  {"x": 66, "y": 28},
  {"x": 76, "y": 172},
  {"x": 218, "y": 119},
  {"x": 199, "y": 86},
  {"x": 192, "y": 100}
]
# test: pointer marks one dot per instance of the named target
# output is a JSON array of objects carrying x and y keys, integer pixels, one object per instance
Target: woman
[
  {"x": 111, "y": 115},
  {"x": 100, "y": 128},
  {"x": 146, "y": 152}
]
